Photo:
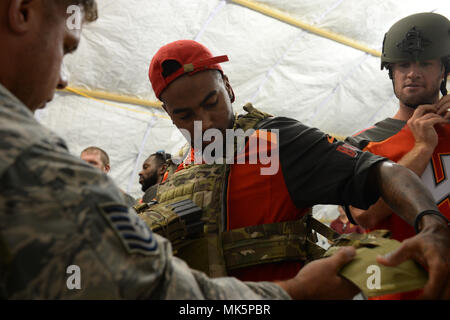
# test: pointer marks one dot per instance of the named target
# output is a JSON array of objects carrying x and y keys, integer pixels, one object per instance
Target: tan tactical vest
[{"x": 211, "y": 248}]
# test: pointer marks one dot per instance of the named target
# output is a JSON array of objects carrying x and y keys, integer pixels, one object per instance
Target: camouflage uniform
[
  {"x": 129, "y": 200},
  {"x": 57, "y": 211}
]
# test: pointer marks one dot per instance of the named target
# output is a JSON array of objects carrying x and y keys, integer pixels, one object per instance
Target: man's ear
[
  {"x": 162, "y": 169},
  {"x": 229, "y": 88},
  {"x": 20, "y": 13},
  {"x": 107, "y": 168}
]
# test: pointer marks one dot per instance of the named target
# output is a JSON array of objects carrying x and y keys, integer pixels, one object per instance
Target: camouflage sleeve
[
  {"x": 201, "y": 286},
  {"x": 65, "y": 233}
]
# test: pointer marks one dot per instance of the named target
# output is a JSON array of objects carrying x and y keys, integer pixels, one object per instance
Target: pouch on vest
[
  {"x": 178, "y": 222},
  {"x": 274, "y": 242},
  {"x": 204, "y": 185}
]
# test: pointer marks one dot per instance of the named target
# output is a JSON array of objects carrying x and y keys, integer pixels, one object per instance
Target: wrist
[
  {"x": 425, "y": 148},
  {"x": 430, "y": 219},
  {"x": 293, "y": 288}
]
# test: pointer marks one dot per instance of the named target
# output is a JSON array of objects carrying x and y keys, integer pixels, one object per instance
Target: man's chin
[
  {"x": 39, "y": 107},
  {"x": 414, "y": 103}
]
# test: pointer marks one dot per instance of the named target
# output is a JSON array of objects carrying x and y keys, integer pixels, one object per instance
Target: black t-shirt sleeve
[{"x": 318, "y": 169}]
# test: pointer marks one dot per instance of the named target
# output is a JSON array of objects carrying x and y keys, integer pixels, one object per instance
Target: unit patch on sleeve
[
  {"x": 132, "y": 231},
  {"x": 349, "y": 150}
]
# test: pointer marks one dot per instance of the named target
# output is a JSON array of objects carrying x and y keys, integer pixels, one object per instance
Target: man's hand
[
  {"x": 430, "y": 248},
  {"x": 443, "y": 108},
  {"x": 422, "y": 124},
  {"x": 320, "y": 280},
  {"x": 373, "y": 216}
]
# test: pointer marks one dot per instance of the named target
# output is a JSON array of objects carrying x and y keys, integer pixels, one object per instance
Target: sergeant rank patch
[{"x": 132, "y": 231}]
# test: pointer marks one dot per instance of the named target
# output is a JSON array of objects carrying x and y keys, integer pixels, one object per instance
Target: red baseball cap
[{"x": 191, "y": 55}]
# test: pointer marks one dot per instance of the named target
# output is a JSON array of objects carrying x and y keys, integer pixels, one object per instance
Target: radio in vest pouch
[{"x": 178, "y": 221}]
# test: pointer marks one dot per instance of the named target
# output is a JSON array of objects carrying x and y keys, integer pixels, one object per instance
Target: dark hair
[
  {"x": 161, "y": 157},
  {"x": 103, "y": 155}
]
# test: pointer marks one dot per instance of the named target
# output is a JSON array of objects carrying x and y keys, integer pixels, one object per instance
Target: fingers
[
  {"x": 422, "y": 125},
  {"x": 428, "y": 116},
  {"x": 431, "y": 119},
  {"x": 342, "y": 257},
  {"x": 424, "y": 114},
  {"x": 437, "y": 285},
  {"x": 437, "y": 281},
  {"x": 347, "y": 289},
  {"x": 424, "y": 109},
  {"x": 403, "y": 253},
  {"x": 443, "y": 107}
]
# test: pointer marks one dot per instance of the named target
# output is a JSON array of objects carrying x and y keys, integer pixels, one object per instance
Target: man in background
[
  {"x": 98, "y": 158},
  {"x": 152, "y": 173}
]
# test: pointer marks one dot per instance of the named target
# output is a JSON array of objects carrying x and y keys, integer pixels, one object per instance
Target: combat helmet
[{"x": 418, "y": 37}]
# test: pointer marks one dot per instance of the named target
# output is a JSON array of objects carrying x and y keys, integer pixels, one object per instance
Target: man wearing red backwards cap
[{"x": 314, "y": 168}]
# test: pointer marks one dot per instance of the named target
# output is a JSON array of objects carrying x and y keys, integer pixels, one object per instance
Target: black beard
[{"x": 151, "y": 181}]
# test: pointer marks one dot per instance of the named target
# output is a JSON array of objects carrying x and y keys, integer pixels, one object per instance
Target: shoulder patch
[
  {"x": 134, "y": 234},
  {"x": 348, "y": 149}
]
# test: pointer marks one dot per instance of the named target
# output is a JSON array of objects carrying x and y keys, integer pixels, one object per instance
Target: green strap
[{"x": 323, "y": 229}]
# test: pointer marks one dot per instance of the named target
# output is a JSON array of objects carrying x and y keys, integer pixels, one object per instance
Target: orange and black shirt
[
  {"x": 314, "y": 168},
  {"x": 393, "y": 139}
]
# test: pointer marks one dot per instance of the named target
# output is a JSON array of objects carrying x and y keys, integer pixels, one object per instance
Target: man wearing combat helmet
[{"x": 416, "y": 52}]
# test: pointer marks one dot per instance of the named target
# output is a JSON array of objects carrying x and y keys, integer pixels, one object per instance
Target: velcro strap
[{"x": 323, "y": 229}]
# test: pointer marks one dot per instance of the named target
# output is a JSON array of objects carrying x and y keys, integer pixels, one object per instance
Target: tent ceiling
[{"x": 281, "y": 68}]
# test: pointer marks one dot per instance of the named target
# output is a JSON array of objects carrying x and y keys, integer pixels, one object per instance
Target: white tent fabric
[{"x": 280, "y": 68}]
